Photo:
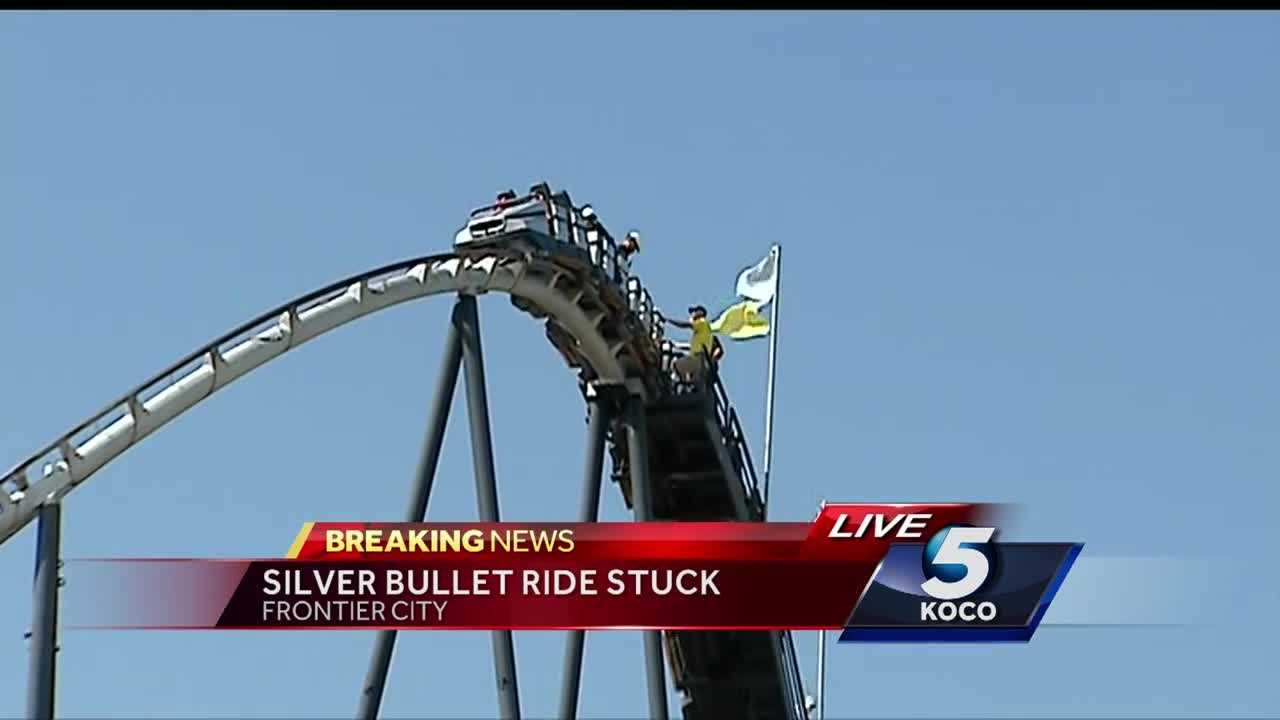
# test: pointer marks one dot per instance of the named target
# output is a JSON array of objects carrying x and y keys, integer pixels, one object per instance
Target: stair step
[{"x": 710, "y": 475}]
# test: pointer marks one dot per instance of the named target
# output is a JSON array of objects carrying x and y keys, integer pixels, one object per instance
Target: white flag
[{"x": 760, "y": 282}]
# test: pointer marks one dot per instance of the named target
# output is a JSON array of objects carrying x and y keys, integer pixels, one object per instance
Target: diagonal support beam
[
  {"x": 375, "y": 682},
  {"x": 597, "y": 424},
  {"x": 504, "y": 654},
  {"x": 642, "y": 504},
  {"x": 44, "y": 614}
]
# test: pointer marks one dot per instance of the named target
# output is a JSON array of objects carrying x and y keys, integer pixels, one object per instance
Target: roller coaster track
[{"x": 608, "y": 331}]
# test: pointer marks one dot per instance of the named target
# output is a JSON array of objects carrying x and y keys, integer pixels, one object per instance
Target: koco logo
[{"x": 957, "y": 562}]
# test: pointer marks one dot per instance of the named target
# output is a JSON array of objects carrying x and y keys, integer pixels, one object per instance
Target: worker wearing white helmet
[
  {"x": 631, "y": 245},
  {"x": 629, "y": 248}
]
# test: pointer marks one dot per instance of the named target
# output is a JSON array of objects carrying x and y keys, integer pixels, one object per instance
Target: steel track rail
[{"x": 57, "y": 468}]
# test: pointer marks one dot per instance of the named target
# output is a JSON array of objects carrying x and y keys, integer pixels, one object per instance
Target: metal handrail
[
  {"x": 731, "y": 430},
  {"x": 751, "y": 481}
]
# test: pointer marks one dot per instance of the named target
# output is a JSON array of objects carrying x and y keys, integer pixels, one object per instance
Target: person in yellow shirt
[{"x": 702, "y": 340}]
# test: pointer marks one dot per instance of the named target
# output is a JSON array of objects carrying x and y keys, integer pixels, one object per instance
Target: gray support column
[
  {"x": 642, "y": 504},
  {"x": 44, "y": 614},
  {"x": 380, "y": 662},
  {"x": 597, "y": 423},
  {"x": 504, "y": 654}
]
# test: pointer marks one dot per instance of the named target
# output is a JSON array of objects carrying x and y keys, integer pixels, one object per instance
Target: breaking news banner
[{"x": 882, "y": 573}]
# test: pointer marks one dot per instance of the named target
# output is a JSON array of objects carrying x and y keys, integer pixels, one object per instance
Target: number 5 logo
[{"x": 948, "y": 548}]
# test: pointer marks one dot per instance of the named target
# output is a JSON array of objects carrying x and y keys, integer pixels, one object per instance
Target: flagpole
[
  {"x": 822, "y": 675},
  {"x": 776, "y": 251},
  {"x": 821, "y": 703}
]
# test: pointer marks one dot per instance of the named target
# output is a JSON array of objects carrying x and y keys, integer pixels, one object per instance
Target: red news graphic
[{"x": 694, "y": 576}]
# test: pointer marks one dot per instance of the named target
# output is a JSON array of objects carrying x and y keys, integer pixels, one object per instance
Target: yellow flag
[{"x": 741, "y": 321}]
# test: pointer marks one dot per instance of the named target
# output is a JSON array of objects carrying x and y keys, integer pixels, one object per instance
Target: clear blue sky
[{"x": 1028, "y": 258}]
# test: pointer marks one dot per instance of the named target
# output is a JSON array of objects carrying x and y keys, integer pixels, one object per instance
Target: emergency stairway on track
[{"x": 701, "y": 470}]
